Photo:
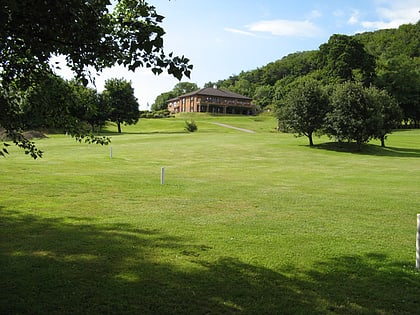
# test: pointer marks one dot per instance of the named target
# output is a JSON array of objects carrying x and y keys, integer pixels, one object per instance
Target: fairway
[{"x": 245, "y": 223}]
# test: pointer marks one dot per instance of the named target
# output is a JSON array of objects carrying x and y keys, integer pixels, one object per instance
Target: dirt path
[{"x": 236, "y": 128}]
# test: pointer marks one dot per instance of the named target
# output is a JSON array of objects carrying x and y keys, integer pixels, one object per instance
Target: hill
[{"x": 397, "y": 58}]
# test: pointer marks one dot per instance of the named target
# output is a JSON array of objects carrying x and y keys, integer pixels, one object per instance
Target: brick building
[{"x": 212, "y": 100}]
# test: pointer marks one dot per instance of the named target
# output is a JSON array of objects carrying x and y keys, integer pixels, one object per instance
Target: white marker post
[
  {"x": 110, "y": 152},
  {"x": 162, "y": 175},
  {"x": 418, "y": 243}
]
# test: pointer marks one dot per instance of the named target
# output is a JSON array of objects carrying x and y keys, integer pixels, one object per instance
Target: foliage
[
  {"x": 400, "y": 76},
  {"x": 390, "y": 111},
  {"x": 91, "y": 107},
  {"x": 121, "y": 102},
  {"x": 344, "y": 58},
  {"x": 354, "y": 115},
  {"x": 395, "y": 52},
  {"x": 190, "y": 126},
  {"x": 163, "y": 113},
  {"x": 88, "y": 34},
  {"x": 304, "y": 108}
]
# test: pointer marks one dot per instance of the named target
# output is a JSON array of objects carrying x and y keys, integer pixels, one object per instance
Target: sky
[{"x": 224, "y": 37}]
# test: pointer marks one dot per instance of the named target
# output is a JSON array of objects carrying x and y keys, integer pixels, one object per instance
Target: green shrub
[{"x": 190, "y": 126}]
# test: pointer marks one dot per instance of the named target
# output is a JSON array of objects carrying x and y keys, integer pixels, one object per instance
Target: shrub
[{"x": 190, "y": 126}]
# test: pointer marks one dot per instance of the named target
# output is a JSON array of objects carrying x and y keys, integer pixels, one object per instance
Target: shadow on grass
[
  {"x": 64, "y": 266},
  {"x": 113, "y": 134},
  {"x": 368, "y": 149}
]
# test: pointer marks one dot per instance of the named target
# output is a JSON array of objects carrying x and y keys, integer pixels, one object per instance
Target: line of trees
[
  {"x": 54, "y": 103},
  {"x": 347, "y": 111}
]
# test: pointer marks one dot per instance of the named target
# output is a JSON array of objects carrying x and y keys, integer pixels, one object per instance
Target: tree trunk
[
  {"x": 119, "y": 126},
  {"x": 311, "y": 142},
  {"x": 383, "y": 141}
]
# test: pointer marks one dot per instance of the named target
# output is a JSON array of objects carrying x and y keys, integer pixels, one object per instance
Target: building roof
[{"x": 213, "y": 92}]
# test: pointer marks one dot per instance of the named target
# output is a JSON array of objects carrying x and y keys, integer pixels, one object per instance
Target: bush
[
  {"x": 164, "y": 113},
  {"x": 190, "y": 126}
]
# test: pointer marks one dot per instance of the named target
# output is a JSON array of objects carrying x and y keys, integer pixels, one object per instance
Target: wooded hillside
[{"x": 393, "y": 56}]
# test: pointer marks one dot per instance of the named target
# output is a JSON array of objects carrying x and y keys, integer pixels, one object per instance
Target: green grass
[{"x": 245, "y": 223}]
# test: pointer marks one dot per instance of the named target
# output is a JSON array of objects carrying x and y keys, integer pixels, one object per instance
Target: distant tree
[
  {"x": 90, "y": 107},
  {"x": 49, "y": 103},
  {"x": 161, "y": 101},
  {"x": 184, "y": 88},
  {"x": 121, "y": 102},
  {"x": 304, "y": 108},
  {"x": 344, "y": 58},
  {"x": 354, "y": 115},
  {"x": 400, "y": 76},
  {"x": 391, "y": 113},
  {"x": 263, "y": 96}
]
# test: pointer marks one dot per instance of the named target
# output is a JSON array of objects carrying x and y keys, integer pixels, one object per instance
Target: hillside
[{"x": 396, "y": 53}]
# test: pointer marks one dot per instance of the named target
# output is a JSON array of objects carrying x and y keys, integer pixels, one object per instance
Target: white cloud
[
  {"x": 286, "y": 28},
  {"x": 354, "y": 18},
  {"x": 236, "y": 31},
  {"x": 392, "y": 14}
]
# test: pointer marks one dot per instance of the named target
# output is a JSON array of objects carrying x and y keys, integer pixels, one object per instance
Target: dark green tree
[
  {"x": 121, "y": 102},
  {"x": 88, "y": 34},
  {"x": 161, "y": 101},
  {"x": 50, "y": 103},
  {"x": 344, "y": 58},
  {"x": 184, "y": 88},
  {"x": 304, "y": 108},
  {"x": 90, "y": 107},
  {"x": 400, "y": 76},
  {"x": 263, "y": 96},
  {"x": 354, "y": 115},
  {"x": 391, "y": 113}
]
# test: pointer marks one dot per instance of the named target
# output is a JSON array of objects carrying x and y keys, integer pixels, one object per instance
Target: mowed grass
[{"x": 244, "y": 223}]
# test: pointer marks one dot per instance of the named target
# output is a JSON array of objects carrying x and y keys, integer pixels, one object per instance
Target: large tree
[
  {"x": 304, "y": 108},
  {"x": 355, "y": 115},
  {"x": 391, "y": 113},
  {"x": 87, "y": 33},
  {"x": 344, "y": 58},
  {"x": 400, "y": 76},
  {"x": 121, "y": 102}
]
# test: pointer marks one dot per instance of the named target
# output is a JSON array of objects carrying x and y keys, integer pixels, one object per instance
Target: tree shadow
[
  {"x": 368, "y": 149},
  {"x": 113, "y": 134},
  {"x": 67, "y": 266}
]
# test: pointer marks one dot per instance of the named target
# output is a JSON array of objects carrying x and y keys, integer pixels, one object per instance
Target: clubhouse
[{"x": 212, "y": 100}]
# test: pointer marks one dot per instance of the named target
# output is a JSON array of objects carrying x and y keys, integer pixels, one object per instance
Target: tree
[
  {"x": 88, "y": 34},
  {"x": 50, "y": 103},
  {"x": 390, "y": 111},
  {"x": 263, "y": 96},
  {"x": 90, "y": 106},
  {"x": 354, "y": 115},
  {"x": 400, "y": 76},
  {"x": 121, "y": 102},
  {"x": 304, "y": 109},
  {"x": 184, "y": 88},
  {"x": 161, "y": 101},
  {"x": 344, "y": 58}
]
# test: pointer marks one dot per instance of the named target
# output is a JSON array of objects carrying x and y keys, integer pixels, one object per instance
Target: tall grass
[{"x": 245, "y": 223}]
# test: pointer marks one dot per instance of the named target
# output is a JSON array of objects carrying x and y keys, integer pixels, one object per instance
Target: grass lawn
[{"x": 246, "y": 223}]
